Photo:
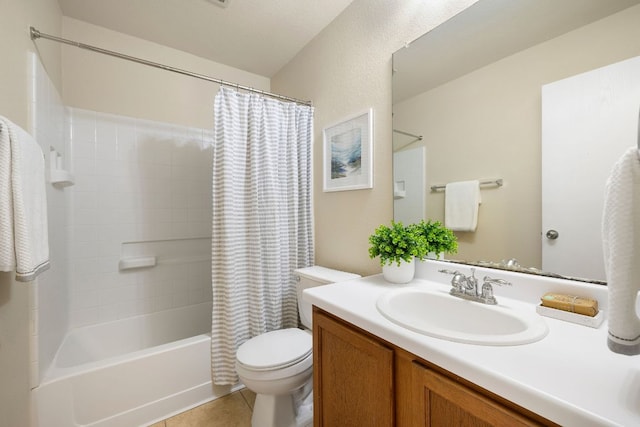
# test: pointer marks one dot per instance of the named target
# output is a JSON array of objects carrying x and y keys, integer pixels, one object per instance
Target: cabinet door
[
  {"x": 440, "y": 401},
  {"x": 353, "y": 376}
]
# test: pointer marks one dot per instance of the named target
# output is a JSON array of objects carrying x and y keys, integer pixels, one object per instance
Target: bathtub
[{"x": 130, "y": 372}]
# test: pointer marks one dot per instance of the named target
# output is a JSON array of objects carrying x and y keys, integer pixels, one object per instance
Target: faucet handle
[
  {"x": 487, "y": 289},
  {"x": 500, "y": 282},
  {"x": 457, "y": 281}
]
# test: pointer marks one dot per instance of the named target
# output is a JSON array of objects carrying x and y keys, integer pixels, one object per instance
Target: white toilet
[{"x": 277, "y": 365}]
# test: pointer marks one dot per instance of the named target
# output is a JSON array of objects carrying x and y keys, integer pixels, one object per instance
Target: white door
[{"x": 588, "y": 122}]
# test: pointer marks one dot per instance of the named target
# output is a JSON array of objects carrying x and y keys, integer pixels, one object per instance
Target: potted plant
[
  {"x": 439, "y": 239},
  {"x": 397, "y": 246}
]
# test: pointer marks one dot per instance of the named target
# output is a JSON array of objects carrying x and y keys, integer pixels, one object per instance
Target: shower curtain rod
[
  {"x": 418, "y": 137},
  {"x": 36, "y": 34}
]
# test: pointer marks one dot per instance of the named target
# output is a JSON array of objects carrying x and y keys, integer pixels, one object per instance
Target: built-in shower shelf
[
  {"x": 399, "y": 191},
  {"x": 147, "y": 254},
  {"x": 61, "y": 178},
  {"x": 58, "y": 176},
  {"x": 137, "y": 262}
]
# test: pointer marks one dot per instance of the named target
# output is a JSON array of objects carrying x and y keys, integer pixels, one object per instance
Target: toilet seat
[{"x": 275, "y": 350}]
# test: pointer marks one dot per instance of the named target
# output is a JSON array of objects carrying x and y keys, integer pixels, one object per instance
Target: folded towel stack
[
  {"x": 24, "y": 244},
  {"x": 621, "y": 244}
]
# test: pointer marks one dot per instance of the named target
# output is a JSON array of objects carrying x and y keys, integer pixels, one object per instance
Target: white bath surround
[
  {"x": 569, "y": 377},
  {"x": 142, "y": 188}
]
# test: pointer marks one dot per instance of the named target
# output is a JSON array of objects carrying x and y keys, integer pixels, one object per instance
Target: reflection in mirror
[{"x": 539, "y": 93}]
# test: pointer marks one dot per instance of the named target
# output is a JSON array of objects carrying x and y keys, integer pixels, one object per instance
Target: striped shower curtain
[{"x": 262, "y": 219}]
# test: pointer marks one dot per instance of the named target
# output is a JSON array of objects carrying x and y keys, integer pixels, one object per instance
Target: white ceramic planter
[
  {"x": 433, "y": 255},
  {"x": 399, "y": 274}
]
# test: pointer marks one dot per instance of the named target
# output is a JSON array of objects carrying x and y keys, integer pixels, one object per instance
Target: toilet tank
[{"x": 310, "y": 277}]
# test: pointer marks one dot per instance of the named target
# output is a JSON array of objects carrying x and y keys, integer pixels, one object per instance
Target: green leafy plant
[
  {"x": 397, "y": 243},
  {"x": 438, "y": 237}
]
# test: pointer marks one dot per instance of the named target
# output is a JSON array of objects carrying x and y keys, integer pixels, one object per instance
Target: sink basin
[{"x": 438, "y": 314}]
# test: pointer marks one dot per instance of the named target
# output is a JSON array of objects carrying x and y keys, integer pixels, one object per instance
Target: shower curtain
[{"x": 262, "y": 219}]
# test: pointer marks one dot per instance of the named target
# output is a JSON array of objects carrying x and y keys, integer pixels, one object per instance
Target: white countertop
[{"x": 569, "y": 377}]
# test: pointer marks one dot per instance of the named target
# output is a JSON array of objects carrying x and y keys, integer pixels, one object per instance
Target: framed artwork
[{"x": 348, "y": 154}]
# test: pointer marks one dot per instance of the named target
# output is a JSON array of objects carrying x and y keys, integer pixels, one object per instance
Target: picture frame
[{"x": 348, "y": 153}]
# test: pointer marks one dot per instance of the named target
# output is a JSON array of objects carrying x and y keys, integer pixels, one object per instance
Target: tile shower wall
[
  {"x": 49, "y": 296},
  {"x": 142, "y": 188}
]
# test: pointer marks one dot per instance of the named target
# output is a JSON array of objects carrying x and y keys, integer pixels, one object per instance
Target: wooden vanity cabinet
[
  {"x": 441, "y": 401},
  {"x": 352, "y": 376},
  {"x": 361, "y": 380}
]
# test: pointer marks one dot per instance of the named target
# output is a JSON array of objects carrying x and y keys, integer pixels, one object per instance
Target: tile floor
[{"x": 232, "y": 410}]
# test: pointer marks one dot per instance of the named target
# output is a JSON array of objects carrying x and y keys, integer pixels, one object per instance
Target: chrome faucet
[
  {"x": 466, "y": 287},
  {"x": 471, "y": 289}
]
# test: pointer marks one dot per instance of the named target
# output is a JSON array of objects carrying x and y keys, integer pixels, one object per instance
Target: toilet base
[
  {"x": 273, "y": 411},
  {"x": 286, "y": 410}
]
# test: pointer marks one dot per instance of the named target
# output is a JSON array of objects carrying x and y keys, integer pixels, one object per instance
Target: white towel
[
  {"x": 621, "y": 245},
  {"x": 24, "y": 242},
  {"x": 462, "y": 200}
]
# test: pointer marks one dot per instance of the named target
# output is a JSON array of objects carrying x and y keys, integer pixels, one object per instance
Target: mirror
[{"x": 477, "y": 98}]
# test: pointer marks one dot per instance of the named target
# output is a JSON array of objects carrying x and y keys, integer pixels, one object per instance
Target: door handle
[{"x": 552, "y": 234}]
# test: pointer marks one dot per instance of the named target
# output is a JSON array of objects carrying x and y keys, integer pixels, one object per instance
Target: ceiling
[{"x": 259, "y": 36}]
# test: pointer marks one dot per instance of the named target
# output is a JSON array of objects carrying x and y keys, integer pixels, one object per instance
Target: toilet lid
[{"x": 275, "y": 349}]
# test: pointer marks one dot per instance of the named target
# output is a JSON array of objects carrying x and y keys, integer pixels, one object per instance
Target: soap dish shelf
[
  {"x": 61, "y": 178},
  {"x": 580, "y": 319}
]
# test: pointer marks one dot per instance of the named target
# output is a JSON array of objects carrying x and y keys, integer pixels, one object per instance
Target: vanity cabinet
[
  {"x": 442, "y": 401},
  {"x": 361, "y": 380},
  {"x": 352, "y": 376}
]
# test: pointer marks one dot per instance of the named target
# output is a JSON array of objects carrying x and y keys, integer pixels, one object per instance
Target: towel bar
[{"x": 499, "y": 182}]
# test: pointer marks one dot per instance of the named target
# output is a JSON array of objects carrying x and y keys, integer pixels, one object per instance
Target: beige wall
[
  {"x": 345, "y": 70},
  {"x": 487, "y": 125},
  {"x": 15, "y": 44},
  {"x": 112, "y": 85},
  {"x": 16, "y": 17}
]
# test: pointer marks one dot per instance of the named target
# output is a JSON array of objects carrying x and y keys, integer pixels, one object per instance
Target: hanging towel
[
  {"x": 24, "y": 243},
  {"x": 462, "y": 200},
  {"x": 621, "y": 244}
]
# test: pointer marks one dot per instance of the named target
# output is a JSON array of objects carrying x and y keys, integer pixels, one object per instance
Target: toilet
[{"x": 277, "y": 365}]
